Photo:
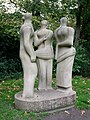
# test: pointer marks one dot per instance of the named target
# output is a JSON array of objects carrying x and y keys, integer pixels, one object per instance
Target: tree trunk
[
  {"x": 78, "y": 24},
  {"x": 85, "y": 21}
]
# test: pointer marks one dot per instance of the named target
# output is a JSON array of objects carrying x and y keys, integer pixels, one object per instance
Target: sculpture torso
[
  {"x": 45, "y": 49},
  {"x": 65, "y": 53},
  {"x": 45, "y": 56},
  {"x": 62, "y": 33},
  {"x": 28, "y": 57},
  {"x": 44, "y": 33},
  {"x": 64, "y": 36},
  {"x": 23, "y": 52}
]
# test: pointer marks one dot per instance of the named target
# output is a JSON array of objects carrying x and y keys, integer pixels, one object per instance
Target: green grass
[
  {"x": 9, "y": 88},
  {"x": 82, "y": 87}
]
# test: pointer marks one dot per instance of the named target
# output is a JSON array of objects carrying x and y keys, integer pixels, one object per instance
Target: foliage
[
  {"x": 9, "y": 45},
  {"x": 82, "y": 60},
  {"x": 52, "y": 11},
  {"x": 10, "y": 68},
  {"x": 9, "y": 35}
]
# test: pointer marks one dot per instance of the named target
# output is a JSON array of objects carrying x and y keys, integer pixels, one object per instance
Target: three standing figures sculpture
[{"x": 39, "y": 63}]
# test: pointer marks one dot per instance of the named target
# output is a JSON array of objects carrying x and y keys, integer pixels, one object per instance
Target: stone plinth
[{"x": 45, "y": 101}]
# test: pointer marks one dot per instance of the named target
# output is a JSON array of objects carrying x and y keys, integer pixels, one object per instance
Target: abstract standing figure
[
  {"x": 27, "y": 56},
  {"x": 44, "y": 55},
  {"x": 65, "y": 53}
]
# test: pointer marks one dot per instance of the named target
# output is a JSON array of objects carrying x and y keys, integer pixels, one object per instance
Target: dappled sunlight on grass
[{"x": 9, "y": 88}]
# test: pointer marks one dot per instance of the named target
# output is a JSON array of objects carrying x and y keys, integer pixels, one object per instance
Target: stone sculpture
[
  {"x": 65, "y": 53},
  {"x": 44, "y": 55},
  {"x": 46, "y": 98},
  {"x": 27, "y": 56}
]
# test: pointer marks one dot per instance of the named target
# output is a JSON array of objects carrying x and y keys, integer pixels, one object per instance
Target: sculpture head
[
  {"x": 27, "y": 16},
  {"x": 63, "y": 20},
  {"x": 44, "y": 23}
]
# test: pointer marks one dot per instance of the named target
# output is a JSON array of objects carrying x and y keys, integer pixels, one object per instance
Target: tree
[{"x": 77, "y": 11}]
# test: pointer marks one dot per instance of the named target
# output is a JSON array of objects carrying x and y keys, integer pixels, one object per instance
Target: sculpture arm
[
  {"x": 55, "y": 33},
  {"x": 38, "y": 41},
  {"x": 65, "y": 43},
  {"x": 49, "y": 35},
  {"x": 69, "y": 41},
  {"x": 56, "y": 52},
  {"x": 28, "y": 47}
]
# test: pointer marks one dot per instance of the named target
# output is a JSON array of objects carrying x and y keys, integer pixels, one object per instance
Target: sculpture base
[{"x": 48, "y": 100}]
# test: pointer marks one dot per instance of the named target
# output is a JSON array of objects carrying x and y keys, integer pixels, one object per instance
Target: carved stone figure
[
  {"x": 27, "y": 56},
  {"x": 44, "y": 55},
  {"x": 65, "y": 53}
]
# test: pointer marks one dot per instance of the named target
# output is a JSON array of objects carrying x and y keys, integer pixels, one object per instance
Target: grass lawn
[{"x": 9, "y": 88}]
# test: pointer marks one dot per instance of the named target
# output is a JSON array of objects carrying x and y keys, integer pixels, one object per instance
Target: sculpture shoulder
[
  {"x": 36, "y": 32},
  {"x": 51, "y": 32},
  {"x": 56, "y": 30},
  {"x": 26, "y": 27},
  {"x": 71, "y": 30}
]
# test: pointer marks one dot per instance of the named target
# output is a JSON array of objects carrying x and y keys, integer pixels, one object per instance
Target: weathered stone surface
[
  {"x": 45, "y": 101},
  {"x": 27, "y": 56},
  {"x": 65, "y": 53},
  {"x": 45, "y": 55}
]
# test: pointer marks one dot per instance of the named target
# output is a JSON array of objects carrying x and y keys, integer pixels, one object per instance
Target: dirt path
[{"x": 71, "y": 114}]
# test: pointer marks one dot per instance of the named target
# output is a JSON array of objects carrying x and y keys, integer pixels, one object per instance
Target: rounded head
[
  {"x": 44, "y": 22},
  {"x": 27, "y": 16},
  {"x": 63, "y": 20}
]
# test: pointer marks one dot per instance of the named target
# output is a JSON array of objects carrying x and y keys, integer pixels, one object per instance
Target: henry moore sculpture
[
  {"x": 44, "y": 53},
  {"x": 27, "y": 56},
  {"x": 65, "y": 53},
  {"x": 39, "y": 64}
]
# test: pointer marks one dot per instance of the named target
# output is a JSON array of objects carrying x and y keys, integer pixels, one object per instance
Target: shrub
[{"x": 82, "y": 60}]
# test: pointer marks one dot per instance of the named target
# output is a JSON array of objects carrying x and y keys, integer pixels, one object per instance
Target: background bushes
[{"x": 79, "y": 18}]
